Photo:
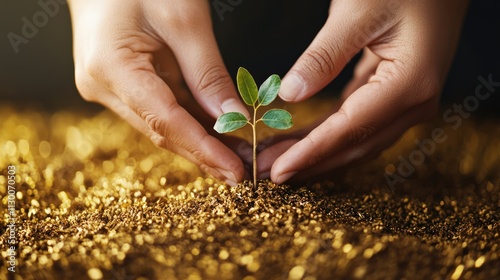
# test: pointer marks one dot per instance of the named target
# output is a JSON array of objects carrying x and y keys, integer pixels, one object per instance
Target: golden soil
[{"x": 96, "y": 200}]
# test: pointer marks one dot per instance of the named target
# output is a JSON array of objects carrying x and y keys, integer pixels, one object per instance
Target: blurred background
[{"x": 40, "y": 72}]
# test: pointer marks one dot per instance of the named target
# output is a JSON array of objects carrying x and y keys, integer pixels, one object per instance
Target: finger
[
  {"x": 336, "y": 43},
  {"x": 93, "y": 91},
  {"x": 127, "y": 114},
  {"x": 266, "y": 158},
  {"x": 170, "y": 126},
  {"x": 273, "y": 147},
  {"x": 194, "y": 45},
  {"x": 373, "y": 146},
  {"x": 240, "y": 147},
  {"x": 168, "y": 69},
  {"x": 365, "y": 68},
  {"x": 366, "y": 111}
]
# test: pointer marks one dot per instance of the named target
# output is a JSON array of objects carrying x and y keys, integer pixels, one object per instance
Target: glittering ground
[{"x": 96, "y": 200}]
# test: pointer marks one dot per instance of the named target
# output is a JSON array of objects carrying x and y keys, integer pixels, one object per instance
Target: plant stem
[{"x": 254, "y": 134}]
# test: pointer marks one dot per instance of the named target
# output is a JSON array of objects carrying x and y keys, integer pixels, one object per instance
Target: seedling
[{"x": 263, "y": 96}]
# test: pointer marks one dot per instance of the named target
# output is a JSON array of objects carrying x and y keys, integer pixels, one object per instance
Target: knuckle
[
  {"x": 359, "y": 133},
  {"x": 156, "y": 123},
  {"x": 315, "y": 157},
  {"x": 194, "y": 149},
  {"x": 205, "y": 168},
  {"x": 320, "y": 62},
  {"x": 213, "y": 79},
  {"x": 313, "y": 160},
  {"x": 157, "y": 134},
  {"x": 158, "y": 140},
  {"x": 198, "y": 154},
  {"x": 164, "y": 133}
]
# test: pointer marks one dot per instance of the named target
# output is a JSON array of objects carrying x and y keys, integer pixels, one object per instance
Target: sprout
[{"x": 263, "y": 96}]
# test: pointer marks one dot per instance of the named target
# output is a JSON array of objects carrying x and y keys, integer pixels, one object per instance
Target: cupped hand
[
  {"x": 407, "y": 46},
  {"x": 136, "y": 58}
]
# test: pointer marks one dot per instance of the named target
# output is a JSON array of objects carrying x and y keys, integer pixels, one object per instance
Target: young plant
[{"x": 263, "y": 96}]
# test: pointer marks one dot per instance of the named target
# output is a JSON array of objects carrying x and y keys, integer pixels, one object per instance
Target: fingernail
[
  {"x": 284, "y": 177},
  {"x": 231, "y": 183},
  {"x": 230, "y": 178},
  {"x": 291, "y": 87},
  {"x": 233, "y": 105},
  {"x": 264, "y": 175}
]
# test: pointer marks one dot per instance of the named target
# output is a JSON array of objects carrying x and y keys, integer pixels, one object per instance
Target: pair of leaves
[
  {"x": 267, "y": 93},
  {"x": 230, "y": 122},
  {"x": 274, "y": 118},
  {"x": 247, "y": 87}
]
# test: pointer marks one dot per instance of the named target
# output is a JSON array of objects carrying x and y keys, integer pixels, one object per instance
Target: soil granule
[{"x": 96, "y": 200}]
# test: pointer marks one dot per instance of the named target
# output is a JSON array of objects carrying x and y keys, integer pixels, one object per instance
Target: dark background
[{"x": 264, "y": 36}]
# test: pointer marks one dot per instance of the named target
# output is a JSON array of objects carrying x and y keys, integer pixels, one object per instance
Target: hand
[
  {"x": 118, "y": 48},
  {"x": 408, "y": 47}
]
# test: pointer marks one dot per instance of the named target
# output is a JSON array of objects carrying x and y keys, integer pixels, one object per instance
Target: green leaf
[
  {"x": 247, "y": 86},
  {"x": 269, "y": 90},
  {"x": 277, "y": 118},
  {"x": 230, "y": 122}
]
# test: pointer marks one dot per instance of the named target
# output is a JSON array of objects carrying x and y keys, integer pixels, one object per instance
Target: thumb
[
  {"x": 337, "y": 42},
  {"x": 195, "y": 48}
]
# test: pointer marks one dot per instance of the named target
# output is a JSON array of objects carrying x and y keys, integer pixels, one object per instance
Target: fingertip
[
  {"x": 231, "y": 183},
  {"x": 292, "y": 88},
  {"x": 230, "y": 177},
  {"x": 234, "y": 105},
  {"x": 278, "y": 172},
  {"x": 282, "y": 178}
]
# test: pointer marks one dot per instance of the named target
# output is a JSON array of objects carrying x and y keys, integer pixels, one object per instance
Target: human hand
[
  {"x": 119, "y": 45},
  {"x": 408, "y": 47}
]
